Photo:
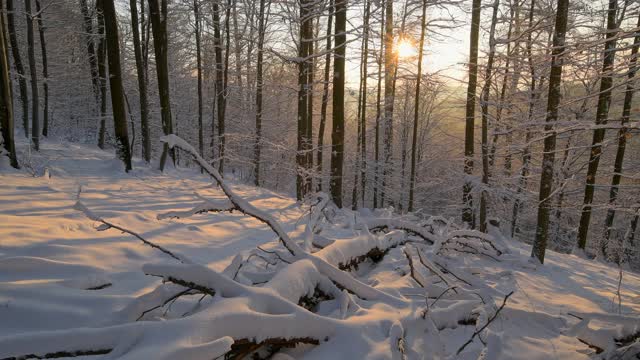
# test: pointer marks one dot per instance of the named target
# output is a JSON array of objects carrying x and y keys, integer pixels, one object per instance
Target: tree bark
[
  {"x": 534, "y": 94},
  {"x": 17, "y": 62},
  {"x": 221, "y": 124},
  {"x": 486, "y": 89},
  {"x": 376, "y": 170},
  {"x": 389, "y": 91},
  {"x": 602, "y": 113},
  {"x": 623, "y": 133},
  {"x": 102, "y": 76},
  {"x": 416, "y": 108},
  {"x": 142, "y": 79},
  {"x": 219, "y": 76},
  {"x": 257, "y": 146},
  {"x": 158, "y": 15},
  {"x": 548, "y": 157},
  {"x": 91, "y": 49},
  {"x": 325, "y": 95},
  {"x": 115, "y": 82},
  {"x": 6, "y": 102},
  {"x": 45, "y": 70},
  {"x": 337, "y": 133},
  {"x": 467, "y": 198},
  {"x": 359, "y": 172},
  {"x": 305, "y": 42},
  {"x": 35, "y": 111}
]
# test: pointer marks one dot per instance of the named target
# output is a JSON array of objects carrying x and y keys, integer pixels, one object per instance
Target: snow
[{"x": 52, "y": 253}]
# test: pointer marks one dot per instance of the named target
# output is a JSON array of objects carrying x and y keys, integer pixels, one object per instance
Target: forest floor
[{"x": 51, "y": 255}]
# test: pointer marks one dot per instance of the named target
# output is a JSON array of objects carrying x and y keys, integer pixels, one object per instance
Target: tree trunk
[
  {"x": 196, "y": 15},
  {"x": 533, "y": 98},
  {"x": 91, "y": 50},
  {"x": 389, "y": 72},
  {"x": 548, "y": 158},
  {"x": 623, "y": 133},
  {"x": 362, "y": 113},
  {"x": 467, "y": 198},
  {"x": 35, "y": 120},
  {"x": 376, "y": 170},
  {"x": 304, "y": 67},
  {"x": 416, "y": 108},
  {"x": 602, "y": 112},
  {"x": 45, "y": 70},
  {"x": 158, "y": 15},
  {"x": 6, "y": 102},
  {"x": 257, "y": 147},
  {"x": 337, "y": 131},
  {"x": 325, "y": 95},
  {"x": 225, "y": 90},
  {"x": 142, "y": 79},
  {"x": 218, "y": 107},
  {"x": 485, "y": 118},
  {"x": 17, "y": 62},
  {"x": 115, "y": 82},
  {"x": 102, "y": 77}
]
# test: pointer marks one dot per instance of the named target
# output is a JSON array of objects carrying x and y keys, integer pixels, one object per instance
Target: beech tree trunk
[
  {"x": 305, "y": 51},
  {"x": 223, "y": 110},
  {"x": 325, "y": 95},
  {"x": 45, "y": 70},
  {"x": 623, "y": 133},
  {"x": 218, "y": 106},
  {"x": 376, "y": 170},
  {"x": 196, "y": 15},
  {"x": 17, "y": 62},
  {"x": 389, "y": 91},
  {"x": 257, "y": 147},
  {"x": 102, "y": 76},
  {"x": 548, "y": 157},
  {"x": 6, "y": 98},
  {"x": 115, "y": 82},
  {"x": 602, "y": 113},
  {"x": 91, "y": 49},
  {"x": 337, "y": 131},
  {"x": 416, "y": 107},
  {"x": 486, "y": 89},
  {"x": 35, "y": 108},
  {"x": 470, "y": 114},
  {"x": 359, "y": 171},
  {"x": 142, "y": 78},
  {"x": 158, "y": 15}
]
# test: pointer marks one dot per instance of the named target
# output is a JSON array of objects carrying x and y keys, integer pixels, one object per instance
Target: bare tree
[
  {"x": 337, "y": 131},
  {"x": 158, "y": 15},
  {"x": 325, "y": 94},
  {"x": 548, "y": 157},
  {"x": 45, "y": 69},
  {"x": 35, "y": 111},
  {"x": 467, "y": 198},
  {"x": 602, "y": 113},
  {"x": 17, "y": 63},
  {"x": 142, "y": 77},
  {"x": 6, "y": 102},
  {"x": 115, "y": 82},
  {"x": 416, "y": 107}
]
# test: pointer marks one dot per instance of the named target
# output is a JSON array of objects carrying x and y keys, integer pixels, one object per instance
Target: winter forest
[{"x": 319, "y": 179}]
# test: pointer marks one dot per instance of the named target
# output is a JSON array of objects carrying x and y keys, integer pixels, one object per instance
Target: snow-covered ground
[{"x": 58, "y": 272}]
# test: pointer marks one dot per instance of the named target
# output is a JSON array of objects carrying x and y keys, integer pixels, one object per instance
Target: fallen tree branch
[
  {"x": 477, "y": 332},
  {"x": 108, "y": 225},
  {"x": 61, "y": 354},
  {"x": 205, "y": 206}
]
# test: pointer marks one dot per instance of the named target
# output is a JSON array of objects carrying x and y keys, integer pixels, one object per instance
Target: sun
[{"x": 405, "y": 48}]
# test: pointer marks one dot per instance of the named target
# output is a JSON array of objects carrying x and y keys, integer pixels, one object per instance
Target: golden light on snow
[{"x": 405, "y": 48}]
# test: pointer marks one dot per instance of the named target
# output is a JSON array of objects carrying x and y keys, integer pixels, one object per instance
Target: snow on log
[
  {"x": 203, "y": 207},
  {"x": 391, "y": 224}
]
